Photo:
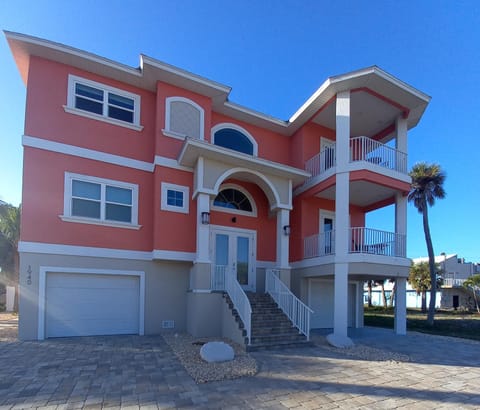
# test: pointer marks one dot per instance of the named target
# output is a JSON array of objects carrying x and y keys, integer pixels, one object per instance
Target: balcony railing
[
  {"x": 319, "y": 245},
  {"x": 367, "y": 149},
  {"x": 373, "y": 241},
  {"x": 453, "y": 283},
  {"x": 362, "y": 240},
  {"x": 361, "y": 149}
]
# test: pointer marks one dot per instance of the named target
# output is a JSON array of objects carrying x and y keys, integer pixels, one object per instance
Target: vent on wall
[{"x": 168, "y": 324}]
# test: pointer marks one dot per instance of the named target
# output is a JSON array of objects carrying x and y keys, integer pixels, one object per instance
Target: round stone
[{"x": 216, "y": 352}]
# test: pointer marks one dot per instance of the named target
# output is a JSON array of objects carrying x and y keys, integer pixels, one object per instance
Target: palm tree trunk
[
  {"x": 369, "y": 287},
  {"x": 392, "y": 295},
  {"x": 384, "y": 298},
  {"x": 431, "y": 264},
  {"x": 424, "y": 302}
]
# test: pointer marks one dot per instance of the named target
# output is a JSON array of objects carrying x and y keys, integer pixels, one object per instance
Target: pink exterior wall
[
  {"x": 46, "y": 118},
  {"x": 43, "y": 203}
]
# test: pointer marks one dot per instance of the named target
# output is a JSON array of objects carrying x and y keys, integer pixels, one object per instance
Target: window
[
  {"x": 95, "y": 100},
  {"x": 234, "y": 137},
  {"x": 101, "y": 201},
  {"x": 183, "y": 118},
  {"x": 175, "y": 198},
  {"x": 234, "y": 199}
]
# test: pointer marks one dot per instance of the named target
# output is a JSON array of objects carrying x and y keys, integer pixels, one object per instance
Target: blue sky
[{"x": 275, "y": 54}]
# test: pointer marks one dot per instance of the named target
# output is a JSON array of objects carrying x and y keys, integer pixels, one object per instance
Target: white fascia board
[
  {"x": 257, "y": 114},
  {"x": 53, "y": 146},
  {"x": 193, "y": 149}
]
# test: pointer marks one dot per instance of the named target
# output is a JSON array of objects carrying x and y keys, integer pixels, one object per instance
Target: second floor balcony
[
  {"x": 362, "y": 149},
  {"x": 361, "y": 240}
]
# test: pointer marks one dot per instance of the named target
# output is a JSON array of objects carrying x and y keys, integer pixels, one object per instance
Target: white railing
[
  {"x": 218, "y": 277},
  {"x": 321, "y": 162},
  {"x": 297, "y": 311},
  {"x": 367, "y": 240},
  {"x": 239, "y": 299},
  {"x": 367, "y": 149},
  {"x": 319, "y": 245},
  {"x": 450, "y": 282}
]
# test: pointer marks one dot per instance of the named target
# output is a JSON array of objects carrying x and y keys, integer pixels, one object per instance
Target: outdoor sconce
[
  {"x": 205, "y": 218},
  {"x": 286, "y": 230}
]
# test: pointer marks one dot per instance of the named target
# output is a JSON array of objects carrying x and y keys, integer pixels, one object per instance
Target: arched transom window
[
  {"x": 234, "y": 199},
  {"x": 234, "y": 137}
]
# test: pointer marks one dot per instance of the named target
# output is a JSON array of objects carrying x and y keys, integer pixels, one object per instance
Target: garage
[
  {"x": 321, "y": 298},
  {"x": 87, "y": 304}
]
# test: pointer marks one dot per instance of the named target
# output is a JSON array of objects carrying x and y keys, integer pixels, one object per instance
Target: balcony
[
  {"x": 453, "y": 283},
  {"x": 362, "y": 241},
  {"x": 362, "y": 149}
]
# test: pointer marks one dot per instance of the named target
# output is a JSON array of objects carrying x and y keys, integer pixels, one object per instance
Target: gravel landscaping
[{"x": 187, "y": 349}]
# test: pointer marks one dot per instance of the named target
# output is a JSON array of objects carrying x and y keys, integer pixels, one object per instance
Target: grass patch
[{"x": 447, "y": 322}]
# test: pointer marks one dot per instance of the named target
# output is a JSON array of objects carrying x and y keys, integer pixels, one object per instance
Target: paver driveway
[{"x": 133, "y": 371}]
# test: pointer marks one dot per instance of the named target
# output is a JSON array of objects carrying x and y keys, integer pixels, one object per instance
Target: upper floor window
[
  {"x": 99, "y": 101},
  {"x": 183, "y": 118},
  {"x": 234, "y": 137},
  {"x": 234, "y": 199},
  {"x": 100, "y": 201},
  {"x": 175, "y": 198}
]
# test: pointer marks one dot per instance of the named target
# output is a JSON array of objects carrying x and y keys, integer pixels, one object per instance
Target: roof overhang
[
  {"x": 151, "y": 71},
  {"x": 194, "y": 149}
]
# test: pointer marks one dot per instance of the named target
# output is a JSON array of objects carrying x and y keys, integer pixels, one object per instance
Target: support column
[
  {"x": 283, "y": 242},
  {"x": 401, "y": 306},
  {"x": 401, "y": 143},
  {"x": 203, "y": 231},
  {"x": 401, "y": 224},
  {"x": 339, "y": 337}
]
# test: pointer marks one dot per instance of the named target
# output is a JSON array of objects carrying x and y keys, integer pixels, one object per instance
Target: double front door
[{"x": 233, "y": 253}]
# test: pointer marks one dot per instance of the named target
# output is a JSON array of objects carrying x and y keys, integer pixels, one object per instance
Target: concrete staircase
[{"x": 271, "y": 328}]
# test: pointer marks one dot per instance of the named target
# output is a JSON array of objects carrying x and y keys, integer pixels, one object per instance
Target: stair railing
[
  {"x": 240, "y": 302},
  {"x": 297, "y": 311}
]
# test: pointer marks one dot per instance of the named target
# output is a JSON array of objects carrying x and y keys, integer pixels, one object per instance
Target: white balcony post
[
  {"x": 401, "y": 134},
  {"x": 401, "y": 306},
  {"x": 400, "y": 223},
  {"x": 339, "y": 337},
  {"x": 283, "y": 219},
  {"x": 203, "y": 230}
]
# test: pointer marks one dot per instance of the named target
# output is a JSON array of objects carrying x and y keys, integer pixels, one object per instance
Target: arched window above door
[
  {"x": 234, "y": 137},
  {"x": 234, "y": 199}
]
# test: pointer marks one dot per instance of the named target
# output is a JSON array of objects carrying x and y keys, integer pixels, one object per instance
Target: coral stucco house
[{"x": 147, "y": 193}]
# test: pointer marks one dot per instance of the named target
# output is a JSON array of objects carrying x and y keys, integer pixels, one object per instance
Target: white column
[
  {"x": 339, "y": 337},
  {"x": 401, "y": 134},
  {"x": 203, "y": 231},
  {"x": 401, "y": 306},
  {"x": 401, "y": 224},
  {"x": 283, "y": 219}
]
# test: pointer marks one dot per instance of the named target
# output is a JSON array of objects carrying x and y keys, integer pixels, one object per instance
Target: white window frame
[
  {"x": 67, "y": 201},
  {"x": 173, "y": 134},
  {"x": 70, "y": 107},
  {"x": 235, "y": 127},
  {"x": 185, "y": 190},
  {"x": 235, "y": 211}
]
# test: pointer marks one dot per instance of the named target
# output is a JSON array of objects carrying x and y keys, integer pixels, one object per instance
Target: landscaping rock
[{"x": 216, "y": 352}]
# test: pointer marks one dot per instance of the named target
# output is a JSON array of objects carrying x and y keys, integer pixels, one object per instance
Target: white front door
[{"x": 234, "y": 252}]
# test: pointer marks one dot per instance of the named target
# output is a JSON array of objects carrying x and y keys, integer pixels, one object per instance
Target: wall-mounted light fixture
[
  {"x": 29, "y": 275},
  {"x": 286, "y": 230},
  {"x": 205, "y": 218}
]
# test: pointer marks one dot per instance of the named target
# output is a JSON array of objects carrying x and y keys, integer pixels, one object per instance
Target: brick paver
[{"x": 132, "y": 372}]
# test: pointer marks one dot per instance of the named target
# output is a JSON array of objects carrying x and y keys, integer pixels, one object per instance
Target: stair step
[{"x": 279, "y": 345}]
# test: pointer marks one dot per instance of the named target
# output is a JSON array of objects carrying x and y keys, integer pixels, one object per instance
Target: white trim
[
  {"x": 173, "y": 255},
  {"x": 103, "y": 182},
  {"x": 43, "y": 270},
  {"x": 201, "y": 290},
  {"x": 91, "y": 221},
  {"x": 257, "y": 114},
  {"x": 73, "y": 79},
  {"x": 172, "y": 133},
  {"x": 94, "y": 252},
  {"x": 318, "y": 261},
  {"x": 185, "y": 190},
  {"x": 170, "y": 163},
  {"x": 236, "y": 211},
  {"x": 235, "y": 127},
  {"x": 93, "y": 116},
  {"x": 266, "y": 264},
  {"x": 40, "y": 143},
  {"x": 76, "y": 250}
]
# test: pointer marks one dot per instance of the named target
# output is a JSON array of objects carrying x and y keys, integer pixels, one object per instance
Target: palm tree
[
  {"x": 9, "y": 237},
  {"x": 473, "y": 283},
  {"x": 427, "y": 186}
]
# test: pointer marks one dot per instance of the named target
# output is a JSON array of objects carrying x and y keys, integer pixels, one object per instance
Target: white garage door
[
  {"x": 91, "y": 304},
  {"x": 321, "y": 301}
]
